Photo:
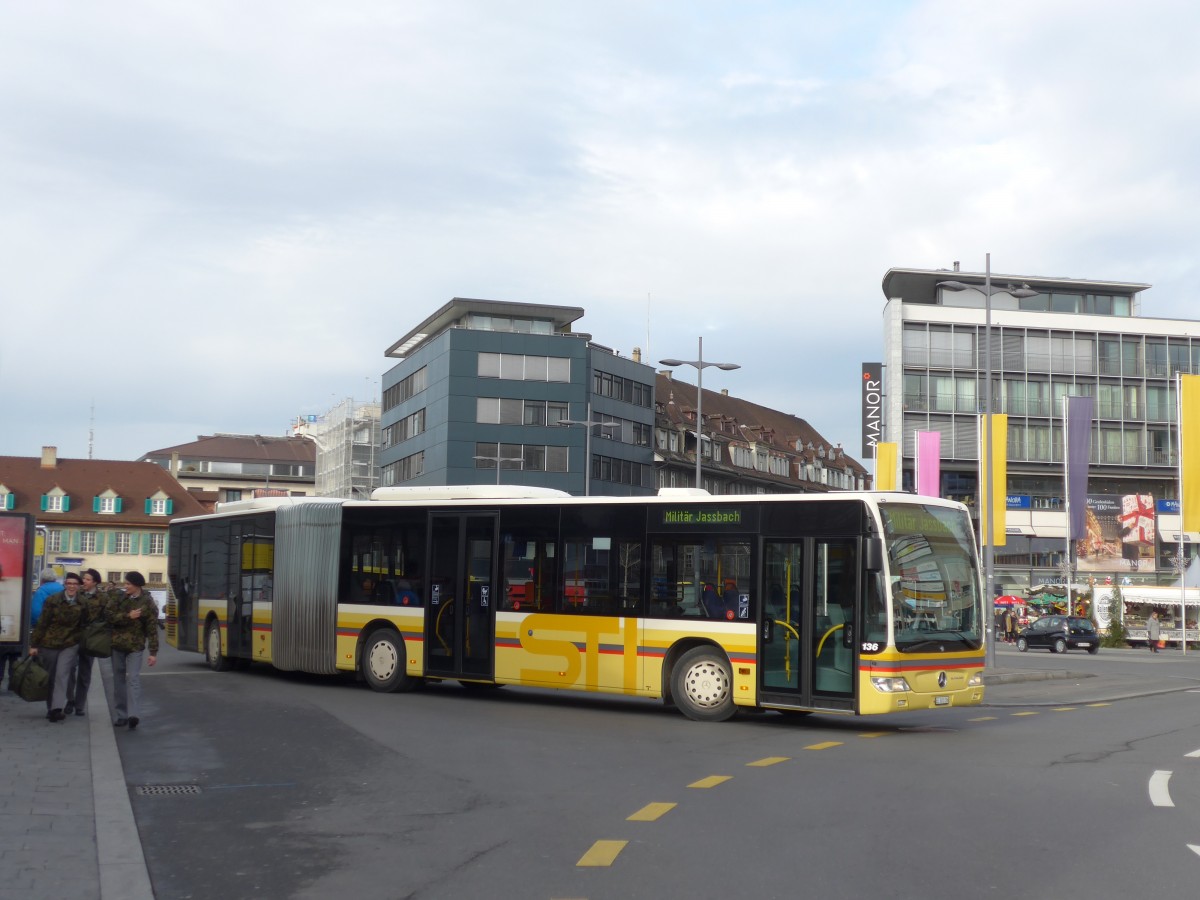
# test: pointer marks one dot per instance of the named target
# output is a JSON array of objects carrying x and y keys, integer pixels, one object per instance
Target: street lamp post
[
  {"x": 589, "y": 423},
  {"x": 985, "y": 492},
  {"x": 699, "y": 365},
  {"x": 500, "y": 459}
]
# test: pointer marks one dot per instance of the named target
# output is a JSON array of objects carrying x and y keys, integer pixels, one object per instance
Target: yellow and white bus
[{"x": 856, "y": 603}]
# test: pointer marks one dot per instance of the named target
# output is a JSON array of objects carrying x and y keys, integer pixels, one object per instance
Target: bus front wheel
[
  {"x": 382, "y": 662},
  {"x": 702, "y": 685},
  {"x": 217, "y": 661}
]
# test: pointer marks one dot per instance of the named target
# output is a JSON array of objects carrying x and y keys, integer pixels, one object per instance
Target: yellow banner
[
  {"x": 999, "y": 490},
  {"x": 1189, "y": 451},
  {"x": 885, "y": 467}
]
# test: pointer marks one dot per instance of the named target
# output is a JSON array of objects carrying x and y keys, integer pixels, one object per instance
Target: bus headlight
[
  {"x": 975, "y": 680},
  {"x": 889, "y": 685}
]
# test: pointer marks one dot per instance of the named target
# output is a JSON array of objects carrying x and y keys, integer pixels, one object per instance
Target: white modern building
[{"x": 1050, "y": 337}]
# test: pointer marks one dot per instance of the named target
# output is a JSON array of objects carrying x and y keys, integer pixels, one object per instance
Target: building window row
[
  {"x": 510, "y": 411},
  {"x": 1032, "y": 350},
  {"x": 231, "y": 467},
  {"x": 605, "y": 384},
  {"x": 513, "y": 324},
  {"x": 406, "y": 388},
  {"x": 520, "y": 367},
  {"x": 125, "y": 542},
  {"x": 408, "y": 427},
  {"x": 622, "y": 471},
  {"x": 403, "y": 469},
  {"x": 528, "y": 457}
]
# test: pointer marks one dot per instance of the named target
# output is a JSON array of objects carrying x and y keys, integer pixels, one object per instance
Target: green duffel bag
[
  {"x": 30, "y": 680},
  {"x": 97, "y": 640}
]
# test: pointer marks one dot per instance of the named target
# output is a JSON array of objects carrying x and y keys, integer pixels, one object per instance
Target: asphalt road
[{"x": 263, "y": 784}]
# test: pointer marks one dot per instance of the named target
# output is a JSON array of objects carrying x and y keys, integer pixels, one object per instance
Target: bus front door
[
  {"x": 460, "y": 613},
  {"x": 807, "y": 630}
]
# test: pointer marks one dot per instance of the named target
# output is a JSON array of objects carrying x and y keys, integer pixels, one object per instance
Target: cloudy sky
[{"x": 215, "y": 216}]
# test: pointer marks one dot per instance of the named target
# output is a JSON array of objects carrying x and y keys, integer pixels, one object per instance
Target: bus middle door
[{"x": 460, "y": 614}]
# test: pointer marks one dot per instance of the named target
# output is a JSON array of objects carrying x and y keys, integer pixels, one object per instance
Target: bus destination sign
[{"x": 702, "y": 517}]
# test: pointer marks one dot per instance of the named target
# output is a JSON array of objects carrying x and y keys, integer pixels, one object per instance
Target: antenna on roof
[{"x": 92, "y": 428}]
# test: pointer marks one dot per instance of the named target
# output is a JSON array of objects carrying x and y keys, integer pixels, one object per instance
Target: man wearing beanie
[{"x": 134, "y": 617}]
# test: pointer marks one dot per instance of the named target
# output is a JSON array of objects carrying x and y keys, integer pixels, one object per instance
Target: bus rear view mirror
[{"x": 874, "y": 554}]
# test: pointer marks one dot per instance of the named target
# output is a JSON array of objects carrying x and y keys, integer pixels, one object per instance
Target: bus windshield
[{"x": 935, "y": 601}]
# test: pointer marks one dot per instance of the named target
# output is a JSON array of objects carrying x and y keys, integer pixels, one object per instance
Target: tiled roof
[
  {"x": 242, "y": 448},
  {"x": 84, "y": 479},
  {"x": 739, "y": 420}
]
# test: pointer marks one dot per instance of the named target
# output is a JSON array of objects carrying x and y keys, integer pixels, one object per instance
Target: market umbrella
[{"x": 1010, "y": 600}]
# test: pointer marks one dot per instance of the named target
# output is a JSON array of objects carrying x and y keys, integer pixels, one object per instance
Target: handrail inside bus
[{"x": 825, "y": 637}]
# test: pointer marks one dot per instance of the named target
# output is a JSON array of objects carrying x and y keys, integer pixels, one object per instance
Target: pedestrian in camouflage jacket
[
  {"x": 134, "y": 617},
  {"x": 56, "y": 639},
  {"x": 95, "y": 600}
]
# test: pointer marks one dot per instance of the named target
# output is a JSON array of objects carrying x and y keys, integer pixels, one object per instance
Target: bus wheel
[
  {"x": 217, "y": 661},
  {"x": 382, "y": 662},
  {"x": 702, "y": 685}
]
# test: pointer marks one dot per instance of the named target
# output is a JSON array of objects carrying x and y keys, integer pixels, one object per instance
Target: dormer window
[
  {"x": 160, "y": 505},
  {"x": 107, "y": 503},
  {"x": 8, "y": 500},
  {"x": 55, "y": 501}
]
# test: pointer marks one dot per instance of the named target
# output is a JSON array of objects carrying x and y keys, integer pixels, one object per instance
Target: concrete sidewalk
[
  {"x": 66, "y": 824},
  {"x": 1053, "y": 687}
]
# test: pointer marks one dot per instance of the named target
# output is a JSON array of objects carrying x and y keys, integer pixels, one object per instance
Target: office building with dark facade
[{"x": 482, "y": 387}]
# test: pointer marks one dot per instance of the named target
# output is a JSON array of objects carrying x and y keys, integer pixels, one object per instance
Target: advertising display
[
  {"x": 1120, "y": 536},
  {"x": 16, "y": 555}
]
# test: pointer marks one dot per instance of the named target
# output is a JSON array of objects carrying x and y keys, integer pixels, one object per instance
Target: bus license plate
[{"x": 941, "y": 701}]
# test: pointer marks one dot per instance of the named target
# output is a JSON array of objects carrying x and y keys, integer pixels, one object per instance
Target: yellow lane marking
[
  {"x": 602, "y": 853},
  {"x": 769, "y": 761},
  {"x": 710, "y": 781},
  {"x": 1025, "y": 714},
  {"x": 824, "y": 746},
  {"x": 1064, "y": 708},
  {"x": 1099, "y": 704},
  {"x": 651, "y": 812},
  {"x": 870, "y": 734},
  {"x": 983, "y": 719}
]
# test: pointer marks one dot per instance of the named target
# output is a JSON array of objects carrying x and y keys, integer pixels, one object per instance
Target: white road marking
[
  {"x": 1194, "y": 848},
  {"x": 1195, "y": 754},
  {"x": 1159, "y": 795}
]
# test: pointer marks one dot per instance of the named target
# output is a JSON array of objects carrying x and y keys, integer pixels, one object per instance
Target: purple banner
[{"x": 1079, "y": 435}]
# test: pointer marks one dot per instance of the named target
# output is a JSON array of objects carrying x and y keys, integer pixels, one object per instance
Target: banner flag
[
  {"x": 885, "y": 466},
  {"x": 998, "y": 494},
  {"x": 929, "y": 463},
  {"x": 1078, "y": 427},
  {"x": 1189, "y": 451}
]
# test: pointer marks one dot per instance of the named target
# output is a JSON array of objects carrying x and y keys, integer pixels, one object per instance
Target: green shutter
[
  {"x": 45, "y": 502},
  {"x": 170, "y": 505},
  {"x": 118, "y": 505},
  {"x": 76, "y": 541},
  {"x": 149, "y": 506},
  {"x": 112, "y": 542},
  {"x": 146, "y": 544},
  {"x": 66, "y": 502},
  {"x": 10, "y": 500},
  {"x": 95, "y": 504}
]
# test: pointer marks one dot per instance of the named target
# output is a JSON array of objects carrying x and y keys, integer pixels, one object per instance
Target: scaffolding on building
[{"x": 347, "y": 439}]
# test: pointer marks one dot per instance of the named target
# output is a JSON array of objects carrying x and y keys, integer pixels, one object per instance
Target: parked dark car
[{"x": 1059, "y": 634}]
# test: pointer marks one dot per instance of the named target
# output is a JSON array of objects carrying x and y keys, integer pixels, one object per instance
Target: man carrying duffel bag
[{"x": 56, "y": 639}]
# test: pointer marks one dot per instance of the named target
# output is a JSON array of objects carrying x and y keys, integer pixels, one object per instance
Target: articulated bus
[{"x": 853, "y": 603}]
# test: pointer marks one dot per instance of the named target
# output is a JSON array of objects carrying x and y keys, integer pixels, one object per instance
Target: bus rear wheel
[
  {"x": 702, "y": 685},
  {"x": 382, "y": 662},
  {"x": 217, "y": 661}
]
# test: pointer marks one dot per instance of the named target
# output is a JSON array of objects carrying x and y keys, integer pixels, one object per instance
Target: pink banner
[{"x": 929, "y": 463}]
